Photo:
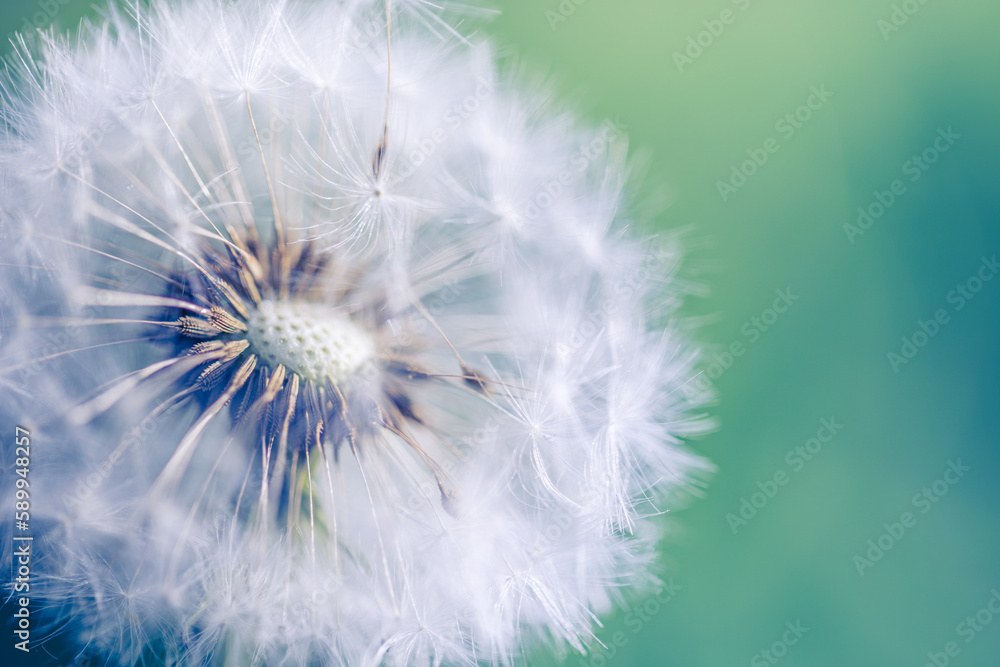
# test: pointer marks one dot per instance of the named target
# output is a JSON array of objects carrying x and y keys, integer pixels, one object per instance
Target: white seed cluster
[
  {"x": 308, "y": 339},
  {"x": 494, "y": 483}
]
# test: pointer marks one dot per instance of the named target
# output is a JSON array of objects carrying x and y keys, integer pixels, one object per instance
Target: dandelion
[{"x": 332, "y": 340}]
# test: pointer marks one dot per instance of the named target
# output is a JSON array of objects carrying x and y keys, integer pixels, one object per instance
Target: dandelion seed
[{"x": 327, "y": 360}]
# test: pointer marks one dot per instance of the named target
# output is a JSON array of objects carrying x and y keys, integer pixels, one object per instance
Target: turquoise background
[{"x": 826, "y": 357}]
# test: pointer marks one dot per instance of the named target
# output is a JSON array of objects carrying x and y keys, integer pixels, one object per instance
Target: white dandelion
[{"x": 332, "y": 339}]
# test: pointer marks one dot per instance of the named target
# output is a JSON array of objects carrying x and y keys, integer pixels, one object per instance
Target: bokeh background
[{"x": 699, "y": 83}]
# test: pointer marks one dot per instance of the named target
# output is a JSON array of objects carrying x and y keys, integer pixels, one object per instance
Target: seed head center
[{"x": 308, "y": 339}]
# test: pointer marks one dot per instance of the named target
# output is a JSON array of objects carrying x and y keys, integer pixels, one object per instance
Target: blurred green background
[{"x": 705, "y": 91}]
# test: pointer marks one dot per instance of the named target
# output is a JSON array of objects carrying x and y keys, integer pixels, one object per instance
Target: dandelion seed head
[{"x": 329, "y": 360}]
